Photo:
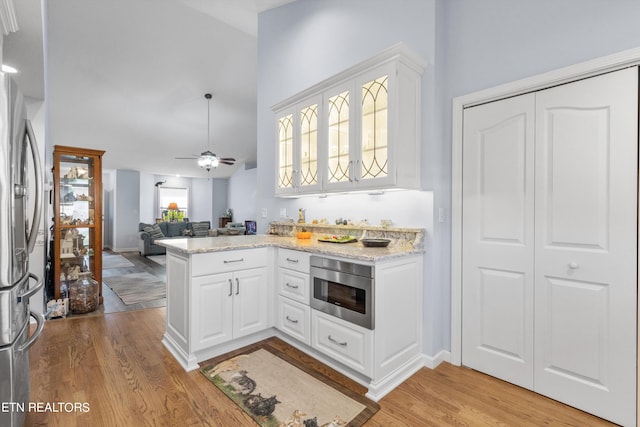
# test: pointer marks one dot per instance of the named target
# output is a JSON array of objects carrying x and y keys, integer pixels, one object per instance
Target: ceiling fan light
[{"x": 208, "y": 162}]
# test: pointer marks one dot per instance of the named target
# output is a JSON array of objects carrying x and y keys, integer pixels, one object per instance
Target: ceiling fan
[{"x": 207, "y": 159}]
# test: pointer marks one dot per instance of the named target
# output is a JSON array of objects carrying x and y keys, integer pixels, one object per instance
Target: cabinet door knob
[{"x": 573, "y": 265}]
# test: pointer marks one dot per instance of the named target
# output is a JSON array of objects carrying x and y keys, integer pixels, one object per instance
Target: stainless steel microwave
[{"x": 343, "y": 289}]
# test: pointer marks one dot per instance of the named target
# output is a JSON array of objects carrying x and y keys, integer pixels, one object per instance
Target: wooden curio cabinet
[{"x": 77, "y": 175}]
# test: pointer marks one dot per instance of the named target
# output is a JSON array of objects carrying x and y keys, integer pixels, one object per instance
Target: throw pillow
[
  {"x": 200, "y": 228},
  {"x": 187, "y": 232},
  {"x": 154, "y": 231}
]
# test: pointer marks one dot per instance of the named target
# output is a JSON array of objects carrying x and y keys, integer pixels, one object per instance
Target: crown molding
[{"x": 8, "y": 18}]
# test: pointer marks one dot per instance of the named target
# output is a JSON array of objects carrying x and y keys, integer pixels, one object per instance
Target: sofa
[{"x": 149, "y": 233}]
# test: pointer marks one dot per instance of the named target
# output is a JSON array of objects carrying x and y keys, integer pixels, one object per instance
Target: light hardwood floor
[{"x": 118, "y": 366}]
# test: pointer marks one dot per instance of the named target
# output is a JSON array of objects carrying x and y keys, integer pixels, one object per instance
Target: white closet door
[
  {"x": 497, "y": 259},
  {"x": 586, "y": 242}
]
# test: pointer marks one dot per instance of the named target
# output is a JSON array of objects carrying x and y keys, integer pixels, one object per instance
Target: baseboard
[
  {"x": 187, "y": 361},
  {"x": 125, "y": 250},
  {"x": 232, "y": 345},
  {"x": 379, "y": 389},
  {"x": 432, "y": 362}
]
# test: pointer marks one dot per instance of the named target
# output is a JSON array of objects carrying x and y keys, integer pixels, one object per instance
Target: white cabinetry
[
  {"x": 345, "y": 342},
  {"x": 393, "y": 349},
  {"x": 368, "y": 129},
  {"x": 231, "y": 305},
  {"x": 214, "y": 298},
  {"x": 294, "y": 314}
]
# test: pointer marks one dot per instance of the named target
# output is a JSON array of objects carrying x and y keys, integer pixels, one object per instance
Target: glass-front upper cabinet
[
  {"x": 339, "y": 163},
  {"x": 77, "y": 233},
  {"x": 297, "y": 139},
  {"x": 368, "y": 129},
  {"x": 374, "y": 149}
]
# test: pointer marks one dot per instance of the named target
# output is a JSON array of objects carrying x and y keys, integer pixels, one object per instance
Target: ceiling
[{"x": 129, "y": 77}]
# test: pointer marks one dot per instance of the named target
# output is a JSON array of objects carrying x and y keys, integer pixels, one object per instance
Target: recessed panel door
[
  {"x": 497, "y": 259},
  {"x": 586, "y": 244}
]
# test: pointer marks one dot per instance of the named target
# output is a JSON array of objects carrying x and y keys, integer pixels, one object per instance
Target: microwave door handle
[{"x": 37, "y": 213}]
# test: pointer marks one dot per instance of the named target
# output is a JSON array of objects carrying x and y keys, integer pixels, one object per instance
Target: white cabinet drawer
[
  {"x": 294, "y": 319},
  {"x": 294, "y": 285},
  {"x": 294, "y": 260},
  {"x": 226, "y": 261},
  {"x": 343, "y": 341}
]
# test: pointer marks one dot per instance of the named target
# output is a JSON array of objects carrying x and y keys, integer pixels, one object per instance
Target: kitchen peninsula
[{"x": 227, "y": 292}]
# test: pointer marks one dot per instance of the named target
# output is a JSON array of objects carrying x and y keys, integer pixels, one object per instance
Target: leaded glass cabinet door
[
  {"x": 340, "y": 122},
  {"x": 307, "y": 144},
  {"x": 373, "y": 161},
  {"x": 285, "y": 168}
]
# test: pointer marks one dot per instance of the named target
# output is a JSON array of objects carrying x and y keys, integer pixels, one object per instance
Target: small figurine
[{"x": 301, "y": 219}]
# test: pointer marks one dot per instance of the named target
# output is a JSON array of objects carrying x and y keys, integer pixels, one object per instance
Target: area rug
[
  {"x": 158, "y": 259},
  {"x": 275, "y": 390},
  {"x": 135, "y": 288},
  {"x": 114, "y": 261}
]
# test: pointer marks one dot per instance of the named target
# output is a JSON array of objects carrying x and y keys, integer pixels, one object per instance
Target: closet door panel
[
  {"x": 586, "y": 240},
  {"x": 498, "y": 239}
]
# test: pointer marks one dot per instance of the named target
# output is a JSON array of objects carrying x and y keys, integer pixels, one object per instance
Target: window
[{"x": 179, "y": 196}]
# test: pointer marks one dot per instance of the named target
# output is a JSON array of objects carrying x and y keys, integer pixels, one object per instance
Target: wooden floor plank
[{"x": 117, "y": 364}]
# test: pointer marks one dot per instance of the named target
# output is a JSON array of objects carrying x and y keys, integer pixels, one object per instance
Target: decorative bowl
[{"x": 375, "y": 243}]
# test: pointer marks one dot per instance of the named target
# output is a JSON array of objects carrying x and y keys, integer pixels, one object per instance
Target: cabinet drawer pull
[
  {"x": 230, "y": 288},
  {"x": 295, "y": 261},
  {"x": 233, "y": 260},
  {"x": 289, "y": 285},
  {"x": 343, "y": 344},
  {"x": 237, "y": 286},
  {"x": 291, "y": 320}
]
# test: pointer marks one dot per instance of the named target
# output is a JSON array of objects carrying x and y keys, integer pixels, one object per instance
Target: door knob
[{"x": 573, "y": 265}]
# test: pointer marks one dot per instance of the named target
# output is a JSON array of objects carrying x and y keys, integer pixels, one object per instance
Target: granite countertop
[{"x": 347, "y": 250}]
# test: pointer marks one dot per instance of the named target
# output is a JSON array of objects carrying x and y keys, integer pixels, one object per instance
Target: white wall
[
  {"x": 201, "y": 200},
  {"x": 242, "y": 194},
  {"x": 307, "y": 41},
  {"x": 148, "y": 195},
  {"x": 108, "y": 190},
  {"x": 126, "y": 207},
  {"x": 220, "y": 201}
]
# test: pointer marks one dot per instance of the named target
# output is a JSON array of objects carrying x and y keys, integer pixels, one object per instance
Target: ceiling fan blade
[
  {"x": 186, "y": 158},
  {"x": 224, "y": 162},
  {"x": 227, "y": 159}
]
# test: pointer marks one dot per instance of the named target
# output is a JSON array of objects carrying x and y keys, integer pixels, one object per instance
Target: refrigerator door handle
[
  {"x": 39, "y": 327},
  {"x": 37, "y": 210},
  {"x": 31, "y": 290}
]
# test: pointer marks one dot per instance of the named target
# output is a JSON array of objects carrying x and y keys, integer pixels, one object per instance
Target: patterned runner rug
[
  {"x": 114, "y": 261},
  {"x": 137, "y": 287},
  {"x": 276, "y": 391}
]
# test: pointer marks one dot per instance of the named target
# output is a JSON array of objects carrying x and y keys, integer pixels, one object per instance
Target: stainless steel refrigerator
[{"x": 18, "y": 231}]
